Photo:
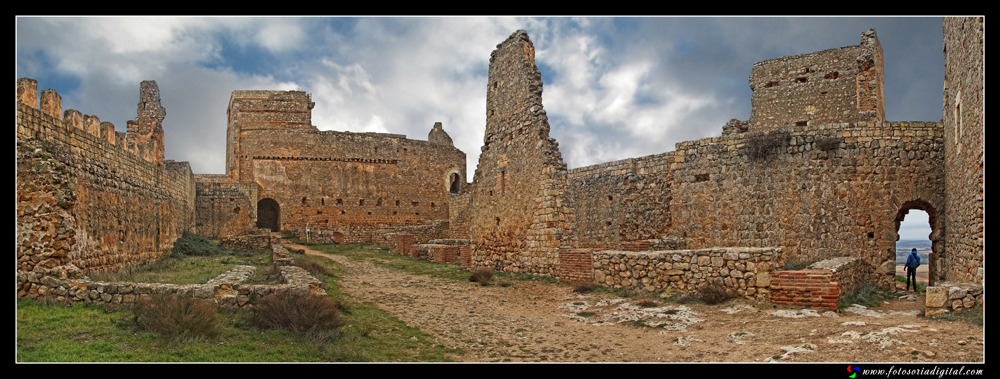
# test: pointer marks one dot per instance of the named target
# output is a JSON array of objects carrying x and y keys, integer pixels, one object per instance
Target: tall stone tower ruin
[
  {"x": 145, "y": 133},
  {"x": 523, "y": 212}
]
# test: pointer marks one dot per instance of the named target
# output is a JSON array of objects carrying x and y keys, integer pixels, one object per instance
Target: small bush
[
  {"x": 191, "y": 244},
  {"x": 481, "y": 276},
  {"x": 713, "y": 294},
  {"x": 647, "y": 303},
  {"x": 300, "y": 313},
  {"x": 797, "y": 265},
  {"x": 584, "y": 287},
  {"x": 176, "y": 317}
]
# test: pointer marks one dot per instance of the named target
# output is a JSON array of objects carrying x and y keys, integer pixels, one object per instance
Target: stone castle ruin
[{"x": 815, "y": 175}]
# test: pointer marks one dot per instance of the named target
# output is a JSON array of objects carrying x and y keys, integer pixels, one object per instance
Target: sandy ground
[{"x": 544, "y": 322}]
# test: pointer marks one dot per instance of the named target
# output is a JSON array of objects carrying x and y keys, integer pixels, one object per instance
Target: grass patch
[
  {"x": 868, "y": 295},
  {"x": 920, "y": 287},
  {"x": 972, "y": 316}
]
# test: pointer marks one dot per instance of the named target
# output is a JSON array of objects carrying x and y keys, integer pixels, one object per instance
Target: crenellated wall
[{"x": 86, "y": 203}]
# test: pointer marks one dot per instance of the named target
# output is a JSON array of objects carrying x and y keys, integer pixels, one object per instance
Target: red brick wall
[
  {"x": 809, "y": 288},
  {"x": 576, "y": 265}
]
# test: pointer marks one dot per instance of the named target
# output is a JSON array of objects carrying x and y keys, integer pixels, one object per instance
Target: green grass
[
  {"x": 920, "y": 287},
  {"x": 869, "y": 295},
  {"x": 91, "y": 333}
]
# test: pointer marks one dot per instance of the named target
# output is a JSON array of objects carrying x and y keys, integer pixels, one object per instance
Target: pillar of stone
[
  {"x": 27, "y": 91},
  {"x": 74, "y": 118},
  {"x": 51, "y": 103},
  {"x": 92, "y": 125},
  {"x": 108, "y": 132}
]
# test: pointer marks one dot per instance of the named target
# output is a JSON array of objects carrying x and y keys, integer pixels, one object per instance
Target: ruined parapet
[
  {"x": 73, "y": 118},
  {"x": 27, "y": 91},
  {"x": 439, "y": 136},
  {"x": 92, "y": 125},
  {"x": 108, "y": 132},
  {"x": 523, "y": 212},
  {"x": 51, "y": 103},
  {"x": 964, "y": 132},
  {"x": 145, "y": 132},
  {"x": 830, "y": 86}
]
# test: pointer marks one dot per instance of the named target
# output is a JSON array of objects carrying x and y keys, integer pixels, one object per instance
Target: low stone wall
[
  {"x": 319, "y": 236},
  {"x": 821, "y": 284},
  {"x": 949, "y": 296},
  {"x": 746, "y": 272},
  {"x": 225, "y": 290},
  {"x": 249, "y": 242},
  {"x": 279, "y": 255}
]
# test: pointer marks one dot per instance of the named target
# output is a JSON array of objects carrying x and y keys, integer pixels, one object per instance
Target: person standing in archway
[{"x": 912, "y": 262}]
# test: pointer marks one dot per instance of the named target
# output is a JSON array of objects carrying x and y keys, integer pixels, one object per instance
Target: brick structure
[{"x": 808, "y": 288}]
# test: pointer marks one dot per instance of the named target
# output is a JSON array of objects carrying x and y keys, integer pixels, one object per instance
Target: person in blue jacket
[{"x": 912, "y": 262}]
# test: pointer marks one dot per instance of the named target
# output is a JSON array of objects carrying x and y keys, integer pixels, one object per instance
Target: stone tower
[{"x": 523, "y": 211}]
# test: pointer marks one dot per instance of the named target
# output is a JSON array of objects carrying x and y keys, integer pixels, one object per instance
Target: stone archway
[
  {"x": 937, "y": 241},
  {"x": 454, "y": 183},
  {"x": 269, "y": 215}
]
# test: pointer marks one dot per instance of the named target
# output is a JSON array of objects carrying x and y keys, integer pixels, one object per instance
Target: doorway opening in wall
[
  {"x": 268, "y": 214},
  {"x": 454, "y": 184},
  {"x": 914, "y": 227}
]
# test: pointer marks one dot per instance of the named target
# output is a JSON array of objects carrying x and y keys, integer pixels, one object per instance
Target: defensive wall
[
  {"x": 85, "y": 201},
  {"x": 816, "y": 173},
  {"x": 355, "y": 183}
]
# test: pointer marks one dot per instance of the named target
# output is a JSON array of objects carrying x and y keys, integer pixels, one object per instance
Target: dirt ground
[{"x": 543, "y": 322}]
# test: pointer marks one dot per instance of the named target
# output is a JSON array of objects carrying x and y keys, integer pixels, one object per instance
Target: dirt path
[{"x": 533, "y": 321}]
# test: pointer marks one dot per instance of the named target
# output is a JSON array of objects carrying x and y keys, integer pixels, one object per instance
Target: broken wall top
[{"x": 830, "y": 86}]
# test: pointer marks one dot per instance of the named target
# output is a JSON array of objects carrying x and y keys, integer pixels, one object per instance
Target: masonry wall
[
  {"x": 626, "y": 200},
  {"x": 744, "y": 272},
  {"x": 85, "y": 203},
  {"x": 825, "y": 191},
  {"x": 522, "y": 210},
  {"x": 355, "y": 183},
  {"x": 223, "y": 207},
  {"x": 829, "y": 86},
  {"x": 963, "y": 118}
]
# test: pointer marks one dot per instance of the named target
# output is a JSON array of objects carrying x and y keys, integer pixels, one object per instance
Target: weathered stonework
[
  {"x": 521, "y": 210},
  {"x": 830, "y": 86},
  {"x": 964, "y": 115},
  {"x": 355, "y": 183}
]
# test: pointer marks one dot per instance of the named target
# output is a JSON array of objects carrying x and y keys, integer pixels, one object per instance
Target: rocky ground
[{"x": 543, "y": 322}]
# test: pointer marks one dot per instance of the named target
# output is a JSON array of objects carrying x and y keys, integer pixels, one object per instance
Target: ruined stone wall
[
  {"x": 745, "y": 272},
  {"x": 829, "y": 86},
  {"x": 522, "y": 210},
  {"x": 964, "y": 113},
  {"x": 224, "y": 208},
  {"x": 87, "y": 203},
  {"x": 460, "y": 215},
  {"x": 355, "y": 183},
  {"x": 824, "y": 191},
  {"x": 624, "y": 200}
]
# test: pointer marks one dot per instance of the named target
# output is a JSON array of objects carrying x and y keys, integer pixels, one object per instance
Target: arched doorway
[
  {"x": 268, "y": 215},
  {"x": 936, "y": 242}
]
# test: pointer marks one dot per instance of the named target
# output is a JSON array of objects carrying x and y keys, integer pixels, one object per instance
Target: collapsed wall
[
  {"x": 522, "y": 212},
  {"x": 84, "y": 202}
]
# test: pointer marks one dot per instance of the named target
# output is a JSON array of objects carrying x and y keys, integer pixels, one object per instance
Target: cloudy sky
[{"x": 614, "y": 88}]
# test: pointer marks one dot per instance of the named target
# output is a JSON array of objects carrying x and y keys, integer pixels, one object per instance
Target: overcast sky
[{"x": 614, "y": 88}]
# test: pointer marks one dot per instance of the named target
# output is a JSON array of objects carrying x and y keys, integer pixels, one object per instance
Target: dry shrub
[
  {"x": 301, "y": 313},
  {"x": 584, "y": 287},
  {"x": 176, "y": 317},
  {"x": 713, "y": 294},
  {"x": 481, "y": 276},
  {"x": 826, "y": 143}
]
